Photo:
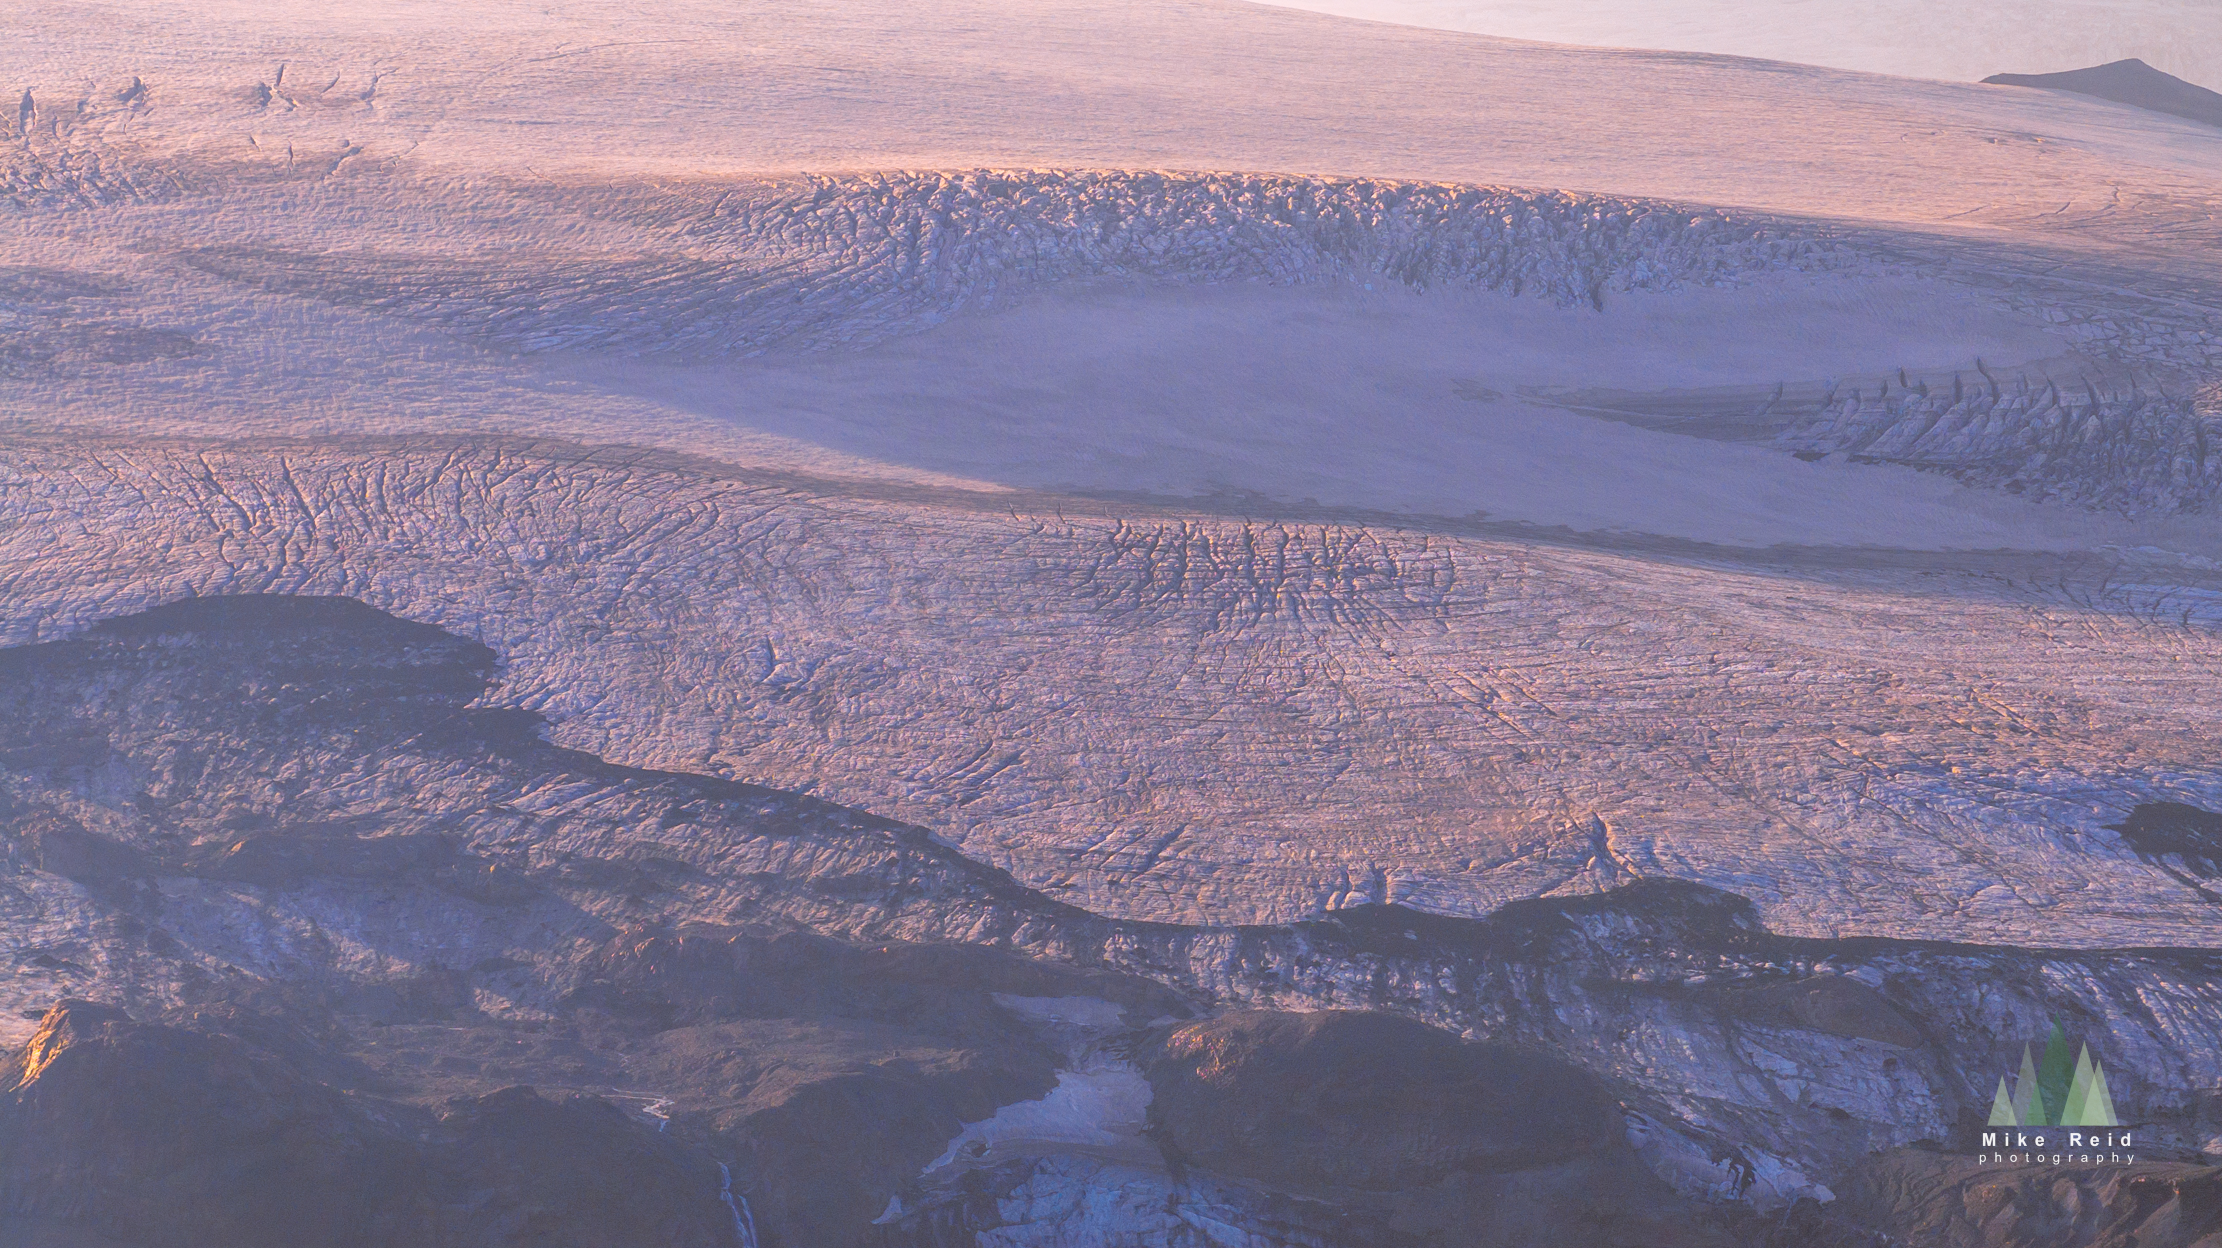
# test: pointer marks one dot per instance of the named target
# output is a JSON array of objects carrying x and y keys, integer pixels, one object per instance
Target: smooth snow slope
[
  {"x": 1962, "y": 42},
  {"x": 688, "y": 88},
  {"x": 1433, "y": 494}
]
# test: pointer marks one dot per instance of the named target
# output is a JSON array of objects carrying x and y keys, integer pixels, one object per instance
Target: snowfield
[
  {"x": 1198, "y": 717},
  {"x": 1293, "y": 539},
  {"x": 1216, "y": 463}
]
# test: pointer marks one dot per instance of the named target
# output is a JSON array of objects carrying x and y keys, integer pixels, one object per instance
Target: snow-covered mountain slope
[
  {"x": 1331, "y": 473},
  {"x": 1911, "y": 38},
  {"x": 1293, "y": 339},
  {"x": 280, "y": 828},
  {"x": 1581, "y": 545},
  {"x": 685, "y": 89},
  {"x": 1176, "y": 716}
]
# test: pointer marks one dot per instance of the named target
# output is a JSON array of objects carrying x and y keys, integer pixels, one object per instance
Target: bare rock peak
[{"x": 2130, "y": 82}]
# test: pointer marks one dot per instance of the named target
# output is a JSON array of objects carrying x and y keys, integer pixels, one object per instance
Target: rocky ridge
[{"x": 273, "y": 795}]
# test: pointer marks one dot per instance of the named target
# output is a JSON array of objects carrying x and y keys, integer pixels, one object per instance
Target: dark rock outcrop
[
  {"x": 1939, "y": 1201},
  {"x": 2178, "y": 836},
  {"x": 113, "y": 1131},
  {"x": 831, "y": 1074},
  {"x": 1413, "y": 1135},
  {"x": 1349, "y": 1099},
  {"x": 302, "y": 811},
  {"x": 2130, "y": 82}
]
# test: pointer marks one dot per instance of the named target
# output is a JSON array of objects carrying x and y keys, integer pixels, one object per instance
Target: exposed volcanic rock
[
  {"x": 294, "y": 796},
  {"x": 1833, "y": 1004},
  {"x": 1821, "y": 1050},
  {"x": 2183, "y": 839},
  {"x": 825, "y": 1085},
  {"x": 311, "y": 749},
  {"x": 1342, "y": 1098},
  {"x": 1940, "y": 1202},
  {"x": 1080, "y": 1200},
  {"x": 2129, "y": 82},
  {"x": 1443, "y": 1141},
  {"x": 305, "y": 811},
  {"x": 115, "y": 1132},
  {"x": 1354, "y": 1130},
  {"x": 828, "y": 1074}
]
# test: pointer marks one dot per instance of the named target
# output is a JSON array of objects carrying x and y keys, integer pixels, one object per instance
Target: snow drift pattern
[{"x": 50, "y": 155}]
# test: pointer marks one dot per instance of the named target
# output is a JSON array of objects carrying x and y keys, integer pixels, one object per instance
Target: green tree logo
[{"x": 2055, "y": 1092}]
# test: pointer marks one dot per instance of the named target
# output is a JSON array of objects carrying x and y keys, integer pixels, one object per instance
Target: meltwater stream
[{"x": 744, "y": 1222}]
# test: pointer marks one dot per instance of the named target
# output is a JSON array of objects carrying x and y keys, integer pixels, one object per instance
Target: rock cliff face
[
  {"x": 118, "y": 1132},
  {"x": 1956, "y": 1203},
  {"x": 1348, "y": 1099},
  {"x": 2130, "y": 82},
  {"x": 307, "y": 868}
]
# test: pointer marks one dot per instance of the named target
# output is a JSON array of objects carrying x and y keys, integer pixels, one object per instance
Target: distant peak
[{"x": 2131, "y": 82}]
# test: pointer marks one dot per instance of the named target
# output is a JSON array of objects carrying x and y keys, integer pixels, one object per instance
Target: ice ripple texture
[{"x": 1210, "y": 719}]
